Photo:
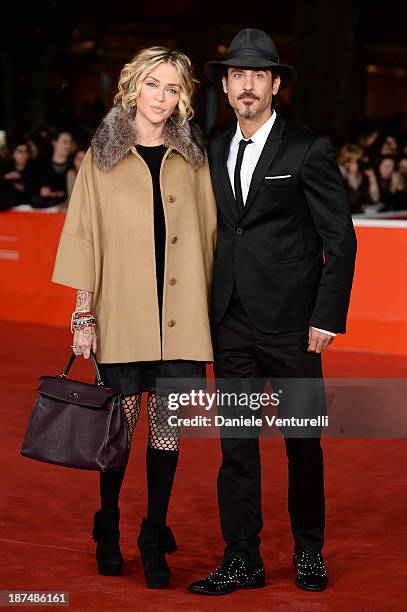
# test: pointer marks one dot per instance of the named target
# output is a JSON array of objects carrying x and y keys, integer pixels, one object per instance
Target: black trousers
[{"x": 244, "y": 352}]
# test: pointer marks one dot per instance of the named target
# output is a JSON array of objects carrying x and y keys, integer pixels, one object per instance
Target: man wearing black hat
[{"x": 281, "y": 286}]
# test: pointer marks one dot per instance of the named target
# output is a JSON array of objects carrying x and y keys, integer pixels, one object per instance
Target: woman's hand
[
  {"x": 45, "y": 192},
  {"x": 12, "y": 176},
  {"x": 84, "y": 339}
]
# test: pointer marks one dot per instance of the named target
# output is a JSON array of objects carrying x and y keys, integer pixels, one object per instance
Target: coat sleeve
[
  {"x": 326, "y": 198},
  {"x": 209, "y": 203},
  {"x": 75, "y": 259}
]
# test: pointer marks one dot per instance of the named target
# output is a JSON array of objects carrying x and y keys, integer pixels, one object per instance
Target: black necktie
[{"x": 238, "y": 185}]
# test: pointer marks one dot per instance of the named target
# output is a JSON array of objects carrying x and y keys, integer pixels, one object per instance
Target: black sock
[
  {"x": 110, "y": 485},
  {"x": 161, "y": 466}
]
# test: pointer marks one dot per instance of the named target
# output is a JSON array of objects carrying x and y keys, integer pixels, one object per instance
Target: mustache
[{"x": 248, "y": 94}]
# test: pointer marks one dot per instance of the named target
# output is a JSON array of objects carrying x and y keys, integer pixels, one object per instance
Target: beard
[{"x": 247, "y": 111}]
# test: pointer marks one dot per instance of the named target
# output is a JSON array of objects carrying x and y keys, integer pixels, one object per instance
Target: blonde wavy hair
[
  {"x": 135, "y": 71},
  {"x": 349, "y": 152}
]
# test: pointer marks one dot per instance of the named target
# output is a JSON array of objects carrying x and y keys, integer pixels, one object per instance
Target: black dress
[
  {"x": 50, "y": 174},
  {"x": 136, "y": 377}
]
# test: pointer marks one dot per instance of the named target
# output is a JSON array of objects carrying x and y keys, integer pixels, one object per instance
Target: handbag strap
[{"x": 95, "y": 365}]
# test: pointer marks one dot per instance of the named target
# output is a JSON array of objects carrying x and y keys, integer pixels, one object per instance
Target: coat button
[
  {"x": 171, "y": 199},
  {"x": 172, "y": 281},
  {"x": 239, "y": 231},
  {"x": 171, "y": 323},
  {"x": 174, "y": 240}
]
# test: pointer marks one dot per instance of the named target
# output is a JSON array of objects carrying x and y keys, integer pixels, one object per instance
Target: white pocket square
[{"x": 280, "y": 176}]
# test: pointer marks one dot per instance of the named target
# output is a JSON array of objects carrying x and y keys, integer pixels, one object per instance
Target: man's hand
[{"x": 318, "y": 341}]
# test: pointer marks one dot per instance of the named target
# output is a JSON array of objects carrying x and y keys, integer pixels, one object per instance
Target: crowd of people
[
  {"x": 374, "y": 172},
  {"x": 40, "y": 170}
]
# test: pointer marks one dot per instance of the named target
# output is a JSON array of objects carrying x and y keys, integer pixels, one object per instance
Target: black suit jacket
[{"x": 291, "y": 251}]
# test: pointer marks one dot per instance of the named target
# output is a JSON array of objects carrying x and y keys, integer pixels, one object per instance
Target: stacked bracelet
[{"x": 82, "y": 319}]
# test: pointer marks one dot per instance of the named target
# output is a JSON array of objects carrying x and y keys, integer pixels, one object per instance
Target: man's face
[{"x": 250, "y": 92}]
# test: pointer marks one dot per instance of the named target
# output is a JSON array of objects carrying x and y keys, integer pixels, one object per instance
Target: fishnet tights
[
  {"x": 131, "y": 406},
  {"x": 161, "y": 435}
]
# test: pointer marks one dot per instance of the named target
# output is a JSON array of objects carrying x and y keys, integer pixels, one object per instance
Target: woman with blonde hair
[
  {"x": 138, "y": 245},
  {"x": 358, "y": 176}
]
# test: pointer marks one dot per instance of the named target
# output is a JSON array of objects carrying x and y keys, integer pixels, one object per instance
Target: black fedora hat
[{"x": 252, "y": 48}]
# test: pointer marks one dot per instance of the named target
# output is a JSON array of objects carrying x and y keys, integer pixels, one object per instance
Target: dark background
[{"x": 60, "y": 60}]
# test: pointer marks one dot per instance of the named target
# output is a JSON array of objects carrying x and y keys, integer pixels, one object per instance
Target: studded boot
[
  {"x": 106, "y": 534},
  {"x": 155, "y": 541}
]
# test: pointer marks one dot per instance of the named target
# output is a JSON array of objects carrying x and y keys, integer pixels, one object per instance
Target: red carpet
[{"x": 46, "y": 511}]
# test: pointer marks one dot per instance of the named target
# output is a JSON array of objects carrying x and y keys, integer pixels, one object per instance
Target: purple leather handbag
[{"x": 77, "y": 424}]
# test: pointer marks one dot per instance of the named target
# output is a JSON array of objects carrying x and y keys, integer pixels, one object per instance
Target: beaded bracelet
[{"x": 84, "y": 323}]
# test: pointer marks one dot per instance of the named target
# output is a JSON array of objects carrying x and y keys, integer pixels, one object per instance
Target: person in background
[
  {"x": 73, "y": 172},
  {"x": 358, "y": 177},
  {"x": 4, "y": 151},
  {"x": 367, "y": 140},
  {"x": 389, "y": 182},
  {"x": 399, "y": 185},
  {"x": 389, "y": 146},
  {"x": 33, "y": 147},
  {"x": 51, "y": 173},
  {"x": 402, "y": 170},
  {"x": 42, "y": 137},
  {"x": 16, "y": 177}
]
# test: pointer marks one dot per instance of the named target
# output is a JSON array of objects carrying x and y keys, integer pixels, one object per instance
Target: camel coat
[{"x": 107, "y": 244}]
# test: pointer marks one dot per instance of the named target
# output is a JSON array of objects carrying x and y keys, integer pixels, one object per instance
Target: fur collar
[{"x": 116, "y": 135}]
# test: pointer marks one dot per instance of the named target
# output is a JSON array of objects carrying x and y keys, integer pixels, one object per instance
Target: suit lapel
[
  {"x": 227, "y": 187},
  {"x": 269, "y": 152}
]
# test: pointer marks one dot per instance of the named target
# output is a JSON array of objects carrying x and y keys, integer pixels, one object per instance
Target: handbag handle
[{"x": 95, "y": 365}]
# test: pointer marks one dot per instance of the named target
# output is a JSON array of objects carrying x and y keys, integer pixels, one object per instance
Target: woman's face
[
  {"x": 159, "y": 94},
  {"x": 21, "y": 155},
  {"x": 352, "y": 165},
  {"x": 386, "y": 168},
  {"x": 63, "y": 144}
]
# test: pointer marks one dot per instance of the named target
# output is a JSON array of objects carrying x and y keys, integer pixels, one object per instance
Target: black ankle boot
[
  {"x": 154, "y": 541},
  {"x": 106, "y": 534}
]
